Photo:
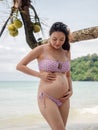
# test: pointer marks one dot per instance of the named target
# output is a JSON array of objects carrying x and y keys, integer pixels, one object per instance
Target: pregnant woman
[{"x": 55, "y": 87}]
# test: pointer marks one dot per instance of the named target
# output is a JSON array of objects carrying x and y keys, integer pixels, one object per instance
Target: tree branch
[{"x": 85, "y": 34}]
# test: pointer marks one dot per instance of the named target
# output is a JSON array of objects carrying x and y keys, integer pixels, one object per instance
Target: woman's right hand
[{"x": 48, "y": 76}]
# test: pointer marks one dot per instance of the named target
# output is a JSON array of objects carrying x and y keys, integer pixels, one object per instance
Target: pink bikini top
[{"x": 54, "y": 65}]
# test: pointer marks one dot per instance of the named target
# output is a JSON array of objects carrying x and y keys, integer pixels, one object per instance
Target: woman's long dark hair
[{"x": 61, "y": 27}]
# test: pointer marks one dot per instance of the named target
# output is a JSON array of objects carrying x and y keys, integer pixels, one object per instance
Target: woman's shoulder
[
  {"x": 67, "y": 53},
  {"x": 42, "y": 47},
  {"x": 38, "y": 48},
  {"x": 38, "y": 51}
]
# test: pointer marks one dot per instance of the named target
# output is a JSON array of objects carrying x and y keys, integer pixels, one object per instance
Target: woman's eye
[
  {"x": 54, "y": 39},
  {"x": 62, "y": 40}
]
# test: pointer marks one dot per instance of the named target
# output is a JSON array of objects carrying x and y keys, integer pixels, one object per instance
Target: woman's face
[{"x": 57, "y": 39}]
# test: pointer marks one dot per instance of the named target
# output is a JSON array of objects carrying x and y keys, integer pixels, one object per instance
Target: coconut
[
  {"x": 11, "y": 27},
  {"x": 17, "y": 23},
  {"x": 36, "y": 28},
  {"x": 13, "y": 33}
]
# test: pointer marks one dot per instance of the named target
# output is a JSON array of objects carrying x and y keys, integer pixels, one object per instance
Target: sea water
[{"x": 19, "y": 108}]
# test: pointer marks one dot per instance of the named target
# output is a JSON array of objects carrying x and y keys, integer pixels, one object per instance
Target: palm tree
[{"x": 22, "y": 6}]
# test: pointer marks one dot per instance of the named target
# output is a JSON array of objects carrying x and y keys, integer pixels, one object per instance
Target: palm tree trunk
[{"x": 23, "y": 6}]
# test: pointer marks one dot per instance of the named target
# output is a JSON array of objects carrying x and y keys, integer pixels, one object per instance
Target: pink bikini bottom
[{"x": 43, "y": 94}]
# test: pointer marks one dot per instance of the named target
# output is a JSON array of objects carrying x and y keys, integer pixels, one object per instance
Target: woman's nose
[{"x": 58, "y": 42}]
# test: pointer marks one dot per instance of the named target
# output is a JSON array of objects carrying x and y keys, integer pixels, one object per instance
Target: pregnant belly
[{"x": 56, "y": 88}]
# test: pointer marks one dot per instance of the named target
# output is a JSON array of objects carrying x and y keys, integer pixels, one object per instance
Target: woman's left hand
[{"x": 66, "y": 96}]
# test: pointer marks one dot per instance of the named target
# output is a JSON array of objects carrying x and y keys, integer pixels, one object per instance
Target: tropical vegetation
[{"x": 85, "y": 68}]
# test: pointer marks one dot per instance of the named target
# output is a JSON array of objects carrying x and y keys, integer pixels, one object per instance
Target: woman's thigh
[
  {"x": 51, "y": 113},
  {"x": 64, "y": 110}
]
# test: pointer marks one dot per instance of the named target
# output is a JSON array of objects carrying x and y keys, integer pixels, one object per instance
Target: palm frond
[{"x": 4, "y": 26}]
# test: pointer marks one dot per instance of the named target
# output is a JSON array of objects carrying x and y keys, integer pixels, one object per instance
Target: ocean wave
[
  {"x": 92, "y": 110},
  {"x": 84, "y": 115}
]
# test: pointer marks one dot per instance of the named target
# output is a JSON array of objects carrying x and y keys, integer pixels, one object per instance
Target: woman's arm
[
  {"x": 68, "y": 74},
  {"x": 22, "y": 65},
  {"x": 70, "y": 90},
  {"x": 69, "y": 93}
]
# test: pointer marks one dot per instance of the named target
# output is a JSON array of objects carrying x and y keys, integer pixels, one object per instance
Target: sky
[{"x": 76, "y": 14}]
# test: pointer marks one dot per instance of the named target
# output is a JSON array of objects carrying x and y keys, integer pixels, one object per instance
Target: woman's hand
[
  {"x": 66, "y": 96},
  {"x": 48, "y": 76}
]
